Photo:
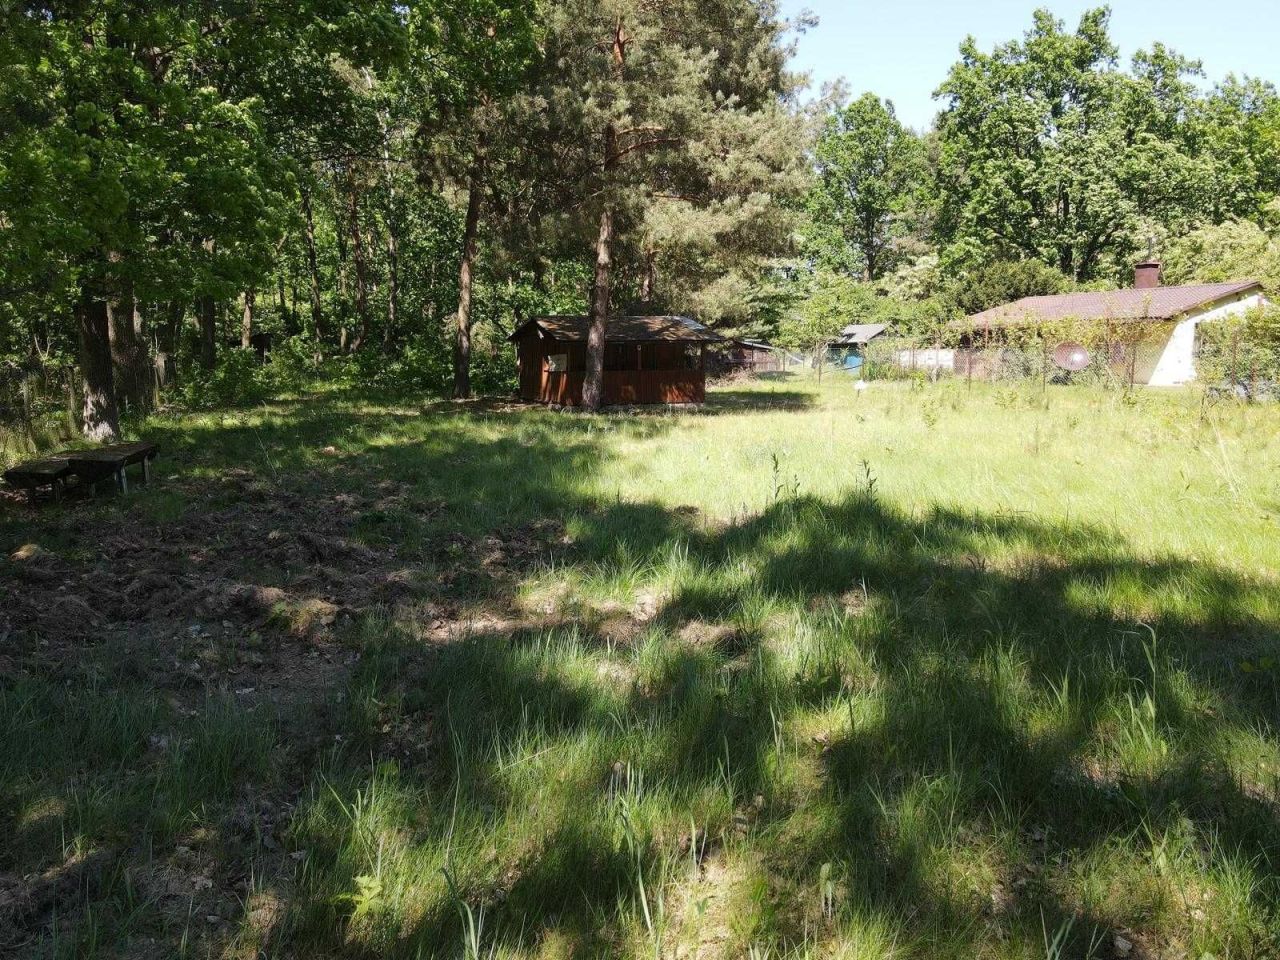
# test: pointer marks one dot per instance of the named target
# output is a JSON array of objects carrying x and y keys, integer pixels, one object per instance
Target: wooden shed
[
  {"x": 752, "y": 355},
  {"x": 647, "y": 359}
]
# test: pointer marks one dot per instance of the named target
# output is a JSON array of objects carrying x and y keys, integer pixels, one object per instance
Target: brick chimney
[{"x": 1146, "y": 275}]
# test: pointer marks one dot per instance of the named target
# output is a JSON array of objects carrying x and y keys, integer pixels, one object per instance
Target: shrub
[
  {"x": 237, "y": 380},
  {"x": 1243, "y": 349}
]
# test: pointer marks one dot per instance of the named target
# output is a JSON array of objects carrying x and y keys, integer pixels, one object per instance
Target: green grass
[{"x": 925, "y": 671}]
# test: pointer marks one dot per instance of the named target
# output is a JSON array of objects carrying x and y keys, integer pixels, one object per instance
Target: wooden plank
[
  {"x": 100, "y": 462},
  {"x": 115, "y": 453},
  {"x": 38, "y": 473}
]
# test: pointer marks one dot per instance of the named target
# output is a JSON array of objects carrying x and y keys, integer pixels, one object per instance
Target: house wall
[{"x": 1176, "y": 363}]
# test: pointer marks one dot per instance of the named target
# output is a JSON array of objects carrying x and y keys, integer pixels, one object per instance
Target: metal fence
[{"x": 1112, "y": 362}]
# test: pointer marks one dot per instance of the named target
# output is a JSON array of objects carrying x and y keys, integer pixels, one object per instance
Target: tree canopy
[{"x": 386, "y": 190}]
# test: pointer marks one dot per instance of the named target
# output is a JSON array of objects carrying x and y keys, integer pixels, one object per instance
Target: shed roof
[
  {"x": 1153, "y": 303},
  {"x": 623, "y": 329},
  {"x": 856, "y": 334}
]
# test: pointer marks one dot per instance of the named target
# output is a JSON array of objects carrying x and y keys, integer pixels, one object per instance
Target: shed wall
[{"x": 635, "y": 373}]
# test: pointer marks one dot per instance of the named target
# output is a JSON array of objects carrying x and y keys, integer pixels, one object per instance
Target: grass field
[{"x": 923, "y": 671}]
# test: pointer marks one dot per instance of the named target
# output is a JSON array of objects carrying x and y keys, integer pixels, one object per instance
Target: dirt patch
[
  {"x": 28, "y": 900},
  {"x": 254, "y": 590},
  {"x": 253, "y": 553},
  {"x": 724, "y": 638}
]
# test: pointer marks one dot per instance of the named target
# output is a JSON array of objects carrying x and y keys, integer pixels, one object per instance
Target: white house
[{"x": 1170, "y": 317}]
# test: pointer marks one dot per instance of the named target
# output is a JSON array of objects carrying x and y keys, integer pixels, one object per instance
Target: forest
[{"x": 382, "y": 191}]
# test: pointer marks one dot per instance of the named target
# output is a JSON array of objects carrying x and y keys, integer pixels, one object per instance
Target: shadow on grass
[
  {"x": 729, "y": 401},
  {"x": 962, "y": 600},
  {"x": 1028, "y": 695}
]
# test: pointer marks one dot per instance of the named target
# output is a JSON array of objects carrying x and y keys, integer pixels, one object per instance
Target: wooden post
[{"x": 1044, "y": 363}]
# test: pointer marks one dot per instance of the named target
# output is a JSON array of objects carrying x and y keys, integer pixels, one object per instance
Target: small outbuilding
[
  {"x": 648, "y": 360},
  {"x": 851, "y": 345},
  {"x": 858, "y": 335},
  {"x": 755, "y": 356}
]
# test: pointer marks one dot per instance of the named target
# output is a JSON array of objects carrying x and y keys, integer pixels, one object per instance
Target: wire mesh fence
[{"x": 1240, "y": 356}]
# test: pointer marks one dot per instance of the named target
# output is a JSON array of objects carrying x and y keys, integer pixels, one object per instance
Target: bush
[
  {"x": 425, "y": 365},
  {"x": 237, "y": 380},
  {"x": 1242, "y": 349}
]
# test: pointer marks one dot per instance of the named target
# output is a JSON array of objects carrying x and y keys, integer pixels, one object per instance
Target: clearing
[{"x": 925, "y": 671}]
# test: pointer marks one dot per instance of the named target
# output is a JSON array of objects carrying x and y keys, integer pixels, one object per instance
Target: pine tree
[{"x": 666, "y": 112}]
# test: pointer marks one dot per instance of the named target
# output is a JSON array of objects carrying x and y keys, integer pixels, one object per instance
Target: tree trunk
[
  {"x": 362, "y": 283},
  {"x": 462, "y": 343},
  {"x": 317, "y": 312},
  {"x": 131, "y": 369},
  {"x": 393, "y": 242},
  {"x": 101, "y": 416},
  {"x": 208, "y": 316},
  {"x": 344, "y": 299},
  {"x": 593, "y": 385},
  {"x": 246, "y": 319},
  {"x": 393, "y": 283},
  {"x": 174, "y": 313},
  {"x": 601, "y": 290},
  {"x": 649, "y": 282},
  {"x": 295, "y": 325}
]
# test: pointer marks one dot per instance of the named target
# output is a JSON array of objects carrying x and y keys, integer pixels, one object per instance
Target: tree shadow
[
  {"x": 976, "y": 674},
  {"x": 724, "y": 401}
]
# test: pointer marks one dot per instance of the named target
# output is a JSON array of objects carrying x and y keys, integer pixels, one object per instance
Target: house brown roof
[
  {"x": 858, "y": 334},
  {"x": 620, "y": 330},
  {"x": 1154, "y": 303}
]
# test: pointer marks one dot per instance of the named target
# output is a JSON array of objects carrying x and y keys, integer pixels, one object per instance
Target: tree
[
  {"x": 1003, "y": 281},
  {"x": 670, "y": 102},
  {"x": 466, "y": 134},
  {"x": 1234, "y": 250},
  {"x": 1239, "y": 126},
  {"x": 138, "y": 163},
  {"x": 1047, "y": 151},
  {"x": 870, "y": 173}
]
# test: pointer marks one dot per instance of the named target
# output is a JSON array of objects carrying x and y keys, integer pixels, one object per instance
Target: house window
[
  {"x": 692, "y": 357},
  {"x": 557, "y": 363}
]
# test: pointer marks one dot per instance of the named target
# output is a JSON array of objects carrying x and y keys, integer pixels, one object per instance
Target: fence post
[{"x": 1044, "y": 364}]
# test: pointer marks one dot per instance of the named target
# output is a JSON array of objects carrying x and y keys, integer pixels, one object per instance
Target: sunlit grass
[{"x": 928, "y": 671}]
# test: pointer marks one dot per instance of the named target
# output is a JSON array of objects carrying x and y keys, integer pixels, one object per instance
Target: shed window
[
  {"x": 620, "y": 356},
  {"x": 557, "y": 363},
  {"x": 651, "y": 357}
]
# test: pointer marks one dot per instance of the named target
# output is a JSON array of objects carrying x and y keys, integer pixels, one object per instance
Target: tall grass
[{"x": 808, "y": 674}]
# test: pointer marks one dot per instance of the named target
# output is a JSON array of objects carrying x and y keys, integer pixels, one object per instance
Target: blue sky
[{"x": 901, "y": 49}]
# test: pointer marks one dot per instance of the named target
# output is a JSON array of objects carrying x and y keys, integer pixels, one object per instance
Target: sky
[{"x": 902, "y": 49}]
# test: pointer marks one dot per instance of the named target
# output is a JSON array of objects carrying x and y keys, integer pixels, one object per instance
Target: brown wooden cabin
[
  {"x": 646, "y": 360},
  {"x": 752, "y": 355}
]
